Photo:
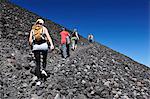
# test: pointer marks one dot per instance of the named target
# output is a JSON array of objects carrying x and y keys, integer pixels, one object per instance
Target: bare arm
[
  {"x": 30, "y": 37},
  {"x": 68, "y": 34},
  {"x": 77, "y": 35},
  {"x": 49, "y": 38}
]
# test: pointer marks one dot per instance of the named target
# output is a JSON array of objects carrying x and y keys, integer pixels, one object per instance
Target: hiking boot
[
  {"x": 44, "y": 73},
  {"x": 63, "y": 59},
  {"x": 72, "y": 49}
]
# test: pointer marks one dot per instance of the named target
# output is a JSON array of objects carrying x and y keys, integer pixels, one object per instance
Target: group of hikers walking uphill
[
  {"x": 40, "y": 41},
  {"x": 65, "y": 41}
]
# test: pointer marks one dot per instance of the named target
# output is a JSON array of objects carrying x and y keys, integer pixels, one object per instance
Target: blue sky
[{"x": 122, "y": 25}]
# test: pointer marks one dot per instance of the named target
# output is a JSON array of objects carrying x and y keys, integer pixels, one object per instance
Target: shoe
[
  {"x": 44, "y": 72},
  {"x": 38, "y": 83},
  {"x": 63, "y": 59},
  {"x": 71, "y": 48}
]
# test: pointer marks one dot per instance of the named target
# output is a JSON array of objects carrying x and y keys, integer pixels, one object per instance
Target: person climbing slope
[
  {"x": 91, "y": 38},
  {"x": 74, "y": 39},
  {"x": 65, "y": 41},
  {"x": 39, "y": 39}
]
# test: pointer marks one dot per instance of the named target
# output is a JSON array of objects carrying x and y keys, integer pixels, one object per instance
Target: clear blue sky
[{"x": 122, "y": 25}]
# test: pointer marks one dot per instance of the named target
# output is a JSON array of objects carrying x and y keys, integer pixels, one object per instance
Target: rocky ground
[{"x": 93, "y": 71}]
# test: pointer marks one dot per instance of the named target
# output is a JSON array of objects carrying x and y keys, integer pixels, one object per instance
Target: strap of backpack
[
  {"x": 43, "y": 33},
  {"x": 33, "y": 37}
]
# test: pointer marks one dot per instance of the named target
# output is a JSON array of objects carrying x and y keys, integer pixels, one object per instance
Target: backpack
[
  {"x": 37, "y": 33},
  {"x": 73, "y": 34}
]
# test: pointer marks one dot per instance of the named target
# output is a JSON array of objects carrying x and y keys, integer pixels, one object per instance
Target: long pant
[
  {"x": 91, "y": 40},
  {"x": 64, "y": 50},
  {"x": 37, "y": 55},
  {"x": 68, "y": 49},
  {"x": 73, "y": 44}
]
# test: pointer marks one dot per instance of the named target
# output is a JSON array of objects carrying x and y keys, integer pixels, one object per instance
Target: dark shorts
[
  {"x": 90, "y": 40},
  {"x": 76, "y": 41}
]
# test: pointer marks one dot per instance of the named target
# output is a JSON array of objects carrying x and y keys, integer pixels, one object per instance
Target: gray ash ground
[{"x": 93, "y": 71}]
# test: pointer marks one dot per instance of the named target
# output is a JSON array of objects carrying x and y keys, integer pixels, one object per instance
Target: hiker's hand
[
  {"x": 52, "y": 47},
  {"x": 30, "y": 42}
]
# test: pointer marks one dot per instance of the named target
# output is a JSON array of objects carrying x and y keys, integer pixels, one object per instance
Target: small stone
[
  {"x": 88, "y": 67},
  {"x": 32, "y": 64},
  {"x": 125, "y": 97},
  {"x": 75, "y": 61},
  {"x": 126, "y": 68},
  {"x": 92, "y": 92},
  {"x": 11, "y": 60},
  {"x": 107, "y": 83},
  {"x": 40, "y": 92},
  {"x": 85, "y": 70},
  {"x": 116, "y": 96},
  {"x": 134, "y": 79},
  {"x": 24, "y": 85},
  {"x": 114, "y": 91},
  {"x": 139, "y": 84},
  {"x": 134, "y": 93},
  {"x": 105, "y": 93},
  {"x": 119, "y": 93},
  {"x": 138, "y": 94},
  {"x": 102, "y": 60},
  {"x": 20, "y": 33},
  {"x": 57, "y": 96},
  {"x": 26, "y": 33},
  {"x": 50, "y": 86},
  {"x": 81, "y": 96},
  {"x": 142, "y": 93},
  {"x": 63, "y": 71},
  {"x": 34, "y": 78},
  {"x": 7, "y": 25},
  {"x": 78, "y": 73},
  {"x": 83, "y": 81},
  {"x": 116, "y": 84},
  {"x": 142, "y": 90},
  {"x": 34, "y": 96},
  {"x": 73, "y": 65},
  {"x": 145, "y": 97},
  {"x": 13, "y": 54}
]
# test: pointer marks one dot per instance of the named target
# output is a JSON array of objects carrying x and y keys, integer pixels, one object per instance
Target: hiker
[
  {"x": 65, "y": 41},
  {"x": 90, "y": 38},
  {"x": 40, "y": 40},
  {"x": 74, "y": 39}
]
